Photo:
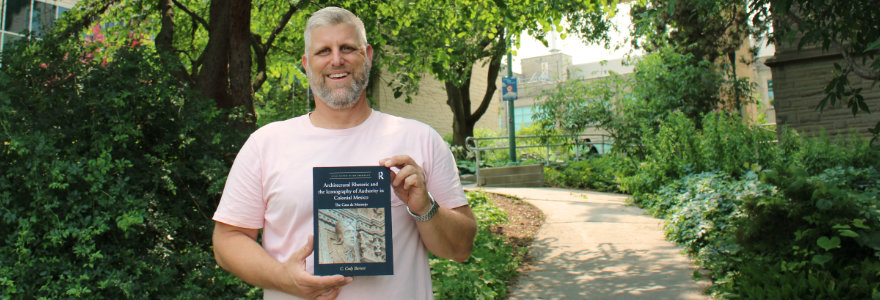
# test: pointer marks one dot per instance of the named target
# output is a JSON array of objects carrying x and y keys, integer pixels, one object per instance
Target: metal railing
[{"x": 599, "y": 143}]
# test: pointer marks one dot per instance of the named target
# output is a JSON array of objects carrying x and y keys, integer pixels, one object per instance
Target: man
[{"x": 269, "y": 187}]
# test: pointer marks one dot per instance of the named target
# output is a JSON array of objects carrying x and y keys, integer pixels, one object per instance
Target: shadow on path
[{"x": 594, "y": 246}]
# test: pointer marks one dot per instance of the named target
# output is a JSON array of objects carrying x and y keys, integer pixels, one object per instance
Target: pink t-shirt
[{"x": 270, "y": 187}]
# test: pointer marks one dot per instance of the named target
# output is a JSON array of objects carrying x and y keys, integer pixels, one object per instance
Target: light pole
[{"x": 511, "y": 122}]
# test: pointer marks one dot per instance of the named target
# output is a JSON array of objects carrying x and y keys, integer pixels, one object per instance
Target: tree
[
  {"x": 446, "y": 39},
  {"x": 632, "y": 107},
  {"x": 711, "y": 30}
]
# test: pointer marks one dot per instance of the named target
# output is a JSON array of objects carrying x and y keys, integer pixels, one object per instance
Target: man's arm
[
  {"x": 450, "y": 233},
  {"x": 237, "y": 251}
]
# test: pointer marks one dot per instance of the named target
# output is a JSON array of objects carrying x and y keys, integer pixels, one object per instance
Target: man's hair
[{"x": 329, "y": 16}]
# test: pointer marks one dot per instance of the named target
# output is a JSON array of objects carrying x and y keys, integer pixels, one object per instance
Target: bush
[
  {"x": 111, "y": 175},
  {"x": 484, "y": 275},
  {"x": 724, "y": 144},
  {"x": 767, "y": 236},
  {"x": 594, "y": 173}
]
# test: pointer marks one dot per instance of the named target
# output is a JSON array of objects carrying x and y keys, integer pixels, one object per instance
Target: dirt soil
[{"x": 524, "y": 220}]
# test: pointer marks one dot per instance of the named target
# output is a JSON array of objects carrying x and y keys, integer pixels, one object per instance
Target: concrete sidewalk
[{"x": 594, "y": 246}]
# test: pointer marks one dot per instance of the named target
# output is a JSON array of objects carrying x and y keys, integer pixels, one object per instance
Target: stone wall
[{"x": 799, "y": 79}]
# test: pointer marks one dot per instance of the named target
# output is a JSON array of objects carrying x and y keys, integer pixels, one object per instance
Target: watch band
[{"x": 428, "y": 215}]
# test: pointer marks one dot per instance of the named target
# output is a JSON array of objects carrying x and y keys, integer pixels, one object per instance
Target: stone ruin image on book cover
[{"x": 352, "y": 221}]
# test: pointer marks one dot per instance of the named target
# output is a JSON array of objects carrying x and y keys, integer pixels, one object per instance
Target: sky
[{"x": 530, "y": 47}]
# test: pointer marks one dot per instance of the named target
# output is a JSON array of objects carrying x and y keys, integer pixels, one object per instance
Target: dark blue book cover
[{"x": 353, "y": 221}]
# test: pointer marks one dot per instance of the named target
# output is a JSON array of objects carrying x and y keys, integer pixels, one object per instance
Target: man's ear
[
  {"x": 305, "y": 63},
  {"x": 370, "y": 53}
]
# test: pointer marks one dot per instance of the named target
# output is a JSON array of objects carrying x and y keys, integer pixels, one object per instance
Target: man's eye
[{"x": 324, "y": 51}]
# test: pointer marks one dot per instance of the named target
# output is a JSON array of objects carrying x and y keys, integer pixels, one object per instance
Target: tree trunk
[
  {"x": 212, "y": 78},
  {"x": 459, "y": 99},
  {"x": 241, "y": 90}
]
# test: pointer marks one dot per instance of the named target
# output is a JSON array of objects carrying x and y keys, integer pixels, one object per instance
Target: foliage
[
  {"x": 484, "y": 275},
  {"x": 630, "y": 108},
  {"x": 594, "y": 173},
  {"x": 111, "y": 173},
  {"x": 792, "y": 220},
  {"x": 725, "y": 144},
  {"x": 704, "y": 213},
  {"x": 708, "y": 29},
  {"x": 447, "y": 39}
]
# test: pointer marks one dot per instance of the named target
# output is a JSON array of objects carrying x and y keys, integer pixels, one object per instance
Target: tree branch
[
  {"x": 491, "y": 76},
  {"x": 191, "y": 14},
  {"x": 261, "y": 50}
]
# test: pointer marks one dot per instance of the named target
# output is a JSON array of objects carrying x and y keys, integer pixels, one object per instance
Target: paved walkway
[{"x": 594, "y": 246}]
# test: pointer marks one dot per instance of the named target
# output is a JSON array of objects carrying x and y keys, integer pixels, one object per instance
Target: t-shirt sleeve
[
  {"x": 242, "y": 203},
  {"x": 441, "y": 174}
]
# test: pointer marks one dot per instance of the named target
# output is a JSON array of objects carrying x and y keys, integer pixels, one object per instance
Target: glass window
[
  {"x": 61, "y": 10},
  {"x": 17, "y": 15},
  {"x": 43, "y": 18},
  {"x": 8, "y": 39},
  {"x": 523, "y": 116}
]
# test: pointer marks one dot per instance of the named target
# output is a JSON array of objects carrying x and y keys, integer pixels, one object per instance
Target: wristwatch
[{"x": 428, "y": 215}]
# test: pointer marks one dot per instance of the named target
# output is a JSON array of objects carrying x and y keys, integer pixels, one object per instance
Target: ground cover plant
[{"x": 493, "y": 262}]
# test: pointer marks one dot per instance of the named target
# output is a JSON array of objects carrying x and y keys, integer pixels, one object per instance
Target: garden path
[{"x": 595, "y": 246}]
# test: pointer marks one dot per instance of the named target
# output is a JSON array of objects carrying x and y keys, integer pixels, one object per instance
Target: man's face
[{"x": 337, "y": 65}]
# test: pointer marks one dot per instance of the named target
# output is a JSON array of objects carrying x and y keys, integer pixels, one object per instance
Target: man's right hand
[
  {"x": 307, "y": 285},
  {"x": 237, "y": 251}
]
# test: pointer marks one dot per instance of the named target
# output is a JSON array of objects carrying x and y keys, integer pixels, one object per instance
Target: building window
[
  {"x": 18, "y": 17},
  {"x": 523, "y": 116},
  {"x": 770, "y": 91}
]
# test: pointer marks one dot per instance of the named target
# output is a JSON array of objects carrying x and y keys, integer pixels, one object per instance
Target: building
[
  {"x": 20, "y": 17},
  {"x": 429, "y": 105},
  {"x": 799, "y": 80}
]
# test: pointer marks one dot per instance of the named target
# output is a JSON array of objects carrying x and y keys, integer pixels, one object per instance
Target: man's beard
[{"x": 344, "y": 97}]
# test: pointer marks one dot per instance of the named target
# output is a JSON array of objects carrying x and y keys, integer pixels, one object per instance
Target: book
[{"x": 352, "y": 209}]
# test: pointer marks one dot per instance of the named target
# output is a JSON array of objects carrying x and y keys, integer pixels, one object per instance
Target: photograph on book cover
[{"x": 355, "y": 235}]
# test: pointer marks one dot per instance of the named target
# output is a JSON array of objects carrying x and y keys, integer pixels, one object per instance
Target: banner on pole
[{"x": 509, "y": 90}]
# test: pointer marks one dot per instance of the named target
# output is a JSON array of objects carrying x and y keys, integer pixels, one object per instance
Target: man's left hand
[{"x": 409, "y": 183}]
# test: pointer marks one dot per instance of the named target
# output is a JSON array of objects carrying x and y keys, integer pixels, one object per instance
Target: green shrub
[
  {"x": 486, "y": 272},
  {"x": 704, "y": 212},
  {"x": 594, "y": 173},
  {"x": 111, "y": 173},
  {"x": 724, "y": 144},
  {"x": 825, "y": 231}
]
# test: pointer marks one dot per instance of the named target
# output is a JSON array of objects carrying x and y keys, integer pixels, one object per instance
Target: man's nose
[{"x": 336, "y": 58}]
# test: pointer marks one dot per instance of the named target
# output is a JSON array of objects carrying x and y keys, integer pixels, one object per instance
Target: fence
[{"x": 579, "y": 145}]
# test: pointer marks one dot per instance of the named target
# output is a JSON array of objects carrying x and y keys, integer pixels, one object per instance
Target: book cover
[{"x": 352, "y": 221}]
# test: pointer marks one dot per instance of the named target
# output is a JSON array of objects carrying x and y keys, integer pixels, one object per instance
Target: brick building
[{"x": 799, "y": 83}]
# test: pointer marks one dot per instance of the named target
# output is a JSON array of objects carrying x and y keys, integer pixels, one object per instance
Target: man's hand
[
  {"x": 450, "y": 232},
  {"x": 307, "y": 285},
  {"x": 237, "y": 251},
  {"x": 408, "y": 183}
]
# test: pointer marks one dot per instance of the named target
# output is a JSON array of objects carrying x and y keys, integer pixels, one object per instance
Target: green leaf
[
  {"x": 828, "y": 244},
  {"x": 873, "y": 46},
  {"x": 849, "y": 233},
  {"x": 821, "y": 259}
]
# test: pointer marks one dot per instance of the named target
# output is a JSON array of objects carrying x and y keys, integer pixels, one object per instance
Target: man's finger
[{"x": 303, "y": 252}]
